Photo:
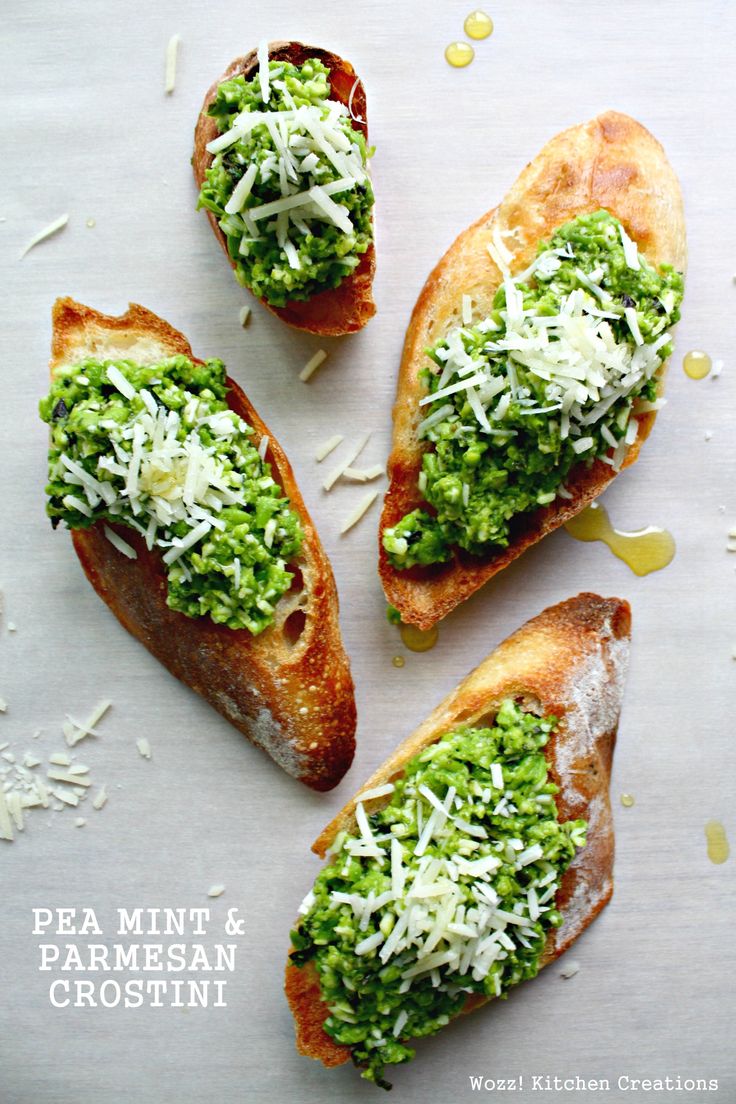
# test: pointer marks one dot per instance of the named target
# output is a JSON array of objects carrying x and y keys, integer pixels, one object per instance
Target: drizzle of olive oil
[
  {"x": 459, "y": 54},
  {"x": 696, "y": 364},
  {"x": 718, "y": 849},
  {"x": 418, "y": 640},
  {"x": 646, "y": 550},
  {"x": 398, "y": 661},
  {"x": 478, "y": 25},
  {"x": 627, "y": 800}
]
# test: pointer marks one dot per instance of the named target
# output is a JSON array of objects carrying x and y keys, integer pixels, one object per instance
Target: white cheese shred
[
  {"x": 347, "y": 462},
  {"x": 172, "y": 50},
  {"x": 47, "y": 232},
  {"x": 328, "y": 446},
  {"x": 121, "y": 545},
  {"x": 263, "y": 71},
  {"x": 363, "y": 475},
  {"x": 362, "y": 508},
  {"x": 312, "y": 365}
]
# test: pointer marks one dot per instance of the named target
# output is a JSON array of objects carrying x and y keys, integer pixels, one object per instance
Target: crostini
[
  {"x": 280, "y": 160},
  {"x": 533, "y": 363},
  {"x": 187, "y": 520},
  {"x": 462, "y": 867}
]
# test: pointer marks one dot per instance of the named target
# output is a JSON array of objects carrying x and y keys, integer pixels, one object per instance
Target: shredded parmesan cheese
[
  {"x": 312, "y": 365},
  {"x": 363, "y": 475},
  {"x": 47, "y": 232},
  {"x": 327, "y": 447},
  {"x": 172, "y": 49},
  {"x": 121, "y": 545},
  {"x": 363, "y": 506},
  {"x": 263, "y": 71},
  {"x": 352, "y": 456}
]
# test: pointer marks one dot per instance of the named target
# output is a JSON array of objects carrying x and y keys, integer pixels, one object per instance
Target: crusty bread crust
[
  {"x": 260, "y": 684},
  {"x": 349, "y": 306},
  {"x": 611, "y": 162},
  {"x": 570, "y": 661}
]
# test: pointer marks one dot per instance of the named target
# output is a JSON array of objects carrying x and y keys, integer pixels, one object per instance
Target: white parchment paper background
[{"x": 87, "y": 129}]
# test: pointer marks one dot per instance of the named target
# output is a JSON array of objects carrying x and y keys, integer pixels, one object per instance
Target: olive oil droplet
[
  {"x": 459, "y": 54},
  {"x": 478, "y": 25},
  {"x": 417, "y": 640},
  {"x": 398, "y": 661},
  {"x": 646, "y": 550},
  {"x": 696, "y": 364},
  {"x": 627, "y": 800},
  {"x": 718, "y": 849}
]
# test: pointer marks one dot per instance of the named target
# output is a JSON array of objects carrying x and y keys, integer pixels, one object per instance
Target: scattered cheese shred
[
  {"x": 121, "y": 545},
  {"x": 172, "y": 50},
  {"x": 100, "y": 798},
  {"x": 144, "y": 747},
  {"x": 6, "y": 826},
  {"x": 570, "y": 969},
  {"x": 244, "y": 315},
  {"x": 312, "y": 365},
  {"x": 363, "y": 475},
  {"x": 61, "y": 759},
  {"x": 216, "y": 891},
  {"x": 263, "y": 71},
  {"x": 47, "y": 232},
  {"x": 363, "y": 506},
  {"x": 74, "y": 731},
  {"x": 59, "y": 775},
  {"x": 377, "y": 791},
  {"x": 327, "y": 447},
  {"x": 80, "y": 822},
  {"x": 263, "y": 446},
  {"x": 352, "y": 456}
]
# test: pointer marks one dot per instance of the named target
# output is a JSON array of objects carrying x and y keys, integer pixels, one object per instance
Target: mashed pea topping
[
  {"x": 155, "y": 447},
  {"x": 446, "y": 891},
  {"x": 288, "y": 182},
  {"x": 553, "y": 377}
]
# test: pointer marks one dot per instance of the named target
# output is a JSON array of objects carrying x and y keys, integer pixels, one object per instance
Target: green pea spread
[
  {"x": 156, "y": 448},
  {"x": 555, "y": 376},
  {"x": 447, "y": 890},
  {"x": 288, "y": 182}
]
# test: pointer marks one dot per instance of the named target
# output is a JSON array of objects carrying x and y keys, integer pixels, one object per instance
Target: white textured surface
[{"x": 87, "y": 129}]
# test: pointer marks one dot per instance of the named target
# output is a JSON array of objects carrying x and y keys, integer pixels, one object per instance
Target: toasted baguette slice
[
  {"x": 612, "y": 162},
  {"x": 349, "y": 306},
  {"x": 289, "y": 690},
  {"x": 570, "y": 661}
]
